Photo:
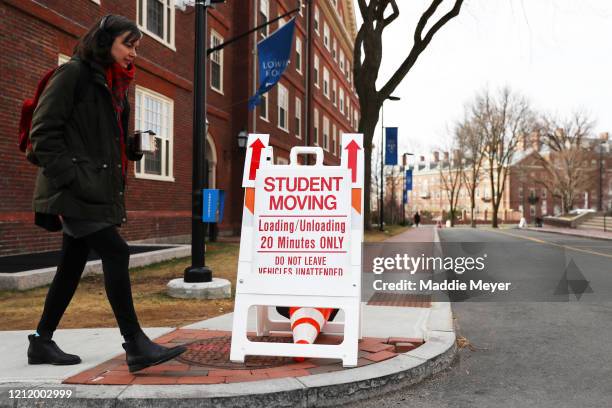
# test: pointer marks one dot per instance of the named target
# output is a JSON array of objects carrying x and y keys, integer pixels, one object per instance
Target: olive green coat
[{"x": 75, "y": 137}]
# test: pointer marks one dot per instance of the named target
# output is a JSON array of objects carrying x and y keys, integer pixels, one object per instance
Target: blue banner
[
  {"x": 391, "y": 146},
  {"x": 408, "y": 178},
  {"x": 274, "y": 53}
]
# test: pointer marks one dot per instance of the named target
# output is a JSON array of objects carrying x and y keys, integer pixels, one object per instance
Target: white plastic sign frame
[{"x": 301, "y": 241}]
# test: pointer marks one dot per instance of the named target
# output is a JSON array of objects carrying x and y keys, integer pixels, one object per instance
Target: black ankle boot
[
  {"x": 141, "y": 352},
  {"x": 44, "y": 351}
]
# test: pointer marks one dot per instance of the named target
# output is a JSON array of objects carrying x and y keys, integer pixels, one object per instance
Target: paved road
[{"x": 528, "y": 354}]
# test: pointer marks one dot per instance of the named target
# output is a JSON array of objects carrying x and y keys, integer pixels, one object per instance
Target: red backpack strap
[{"x": 27, "y": 111}]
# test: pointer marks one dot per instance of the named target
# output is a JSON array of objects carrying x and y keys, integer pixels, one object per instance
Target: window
[
  {"x": 298, "y": 117},
  {"x": 348, "y": 107},
  {"x": 342, "y": 62},
  {"x": 298, "y": 54},
  {"x": 281, "y": 22},
  {"x": 334, "y": 139},
  {"x": 326, "y": 82},
  {"x": 316, "y": 70},
  {"x": 334, "y": 86},
  {"x": 263, "y": 107},
  {"x": 316, "y": 20},
  {"x": 335, "y": 50},
  {"x": 216, "y": 63},
  {"x": 264, "y": 16},
  {"x": 325, "y": 133},
  {"x": 283, "y": 108},
  {"x": 341, "y": 100},
  {"x": 316, "y": 126},
  {"x": 155, "y": 112},
  {"x": 326, "y": 35},
  {"x": 156, "y": 18}
]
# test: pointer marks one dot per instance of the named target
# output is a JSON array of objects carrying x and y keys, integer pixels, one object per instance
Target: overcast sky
[{"x": 558, "y": 53}]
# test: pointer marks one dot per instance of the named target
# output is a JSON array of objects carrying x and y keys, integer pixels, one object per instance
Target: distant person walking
[
  {"x": 79, "y": 138},
  {"x": 417, "y": 219}
]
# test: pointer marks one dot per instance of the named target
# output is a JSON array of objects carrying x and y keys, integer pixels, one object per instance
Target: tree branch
[{"x": 419, "y": 45}]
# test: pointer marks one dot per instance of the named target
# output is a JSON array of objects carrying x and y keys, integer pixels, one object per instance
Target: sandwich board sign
[{"x": 302, "y": 230}]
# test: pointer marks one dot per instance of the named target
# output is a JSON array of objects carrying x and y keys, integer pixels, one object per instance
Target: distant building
[{"x": 525, "y": 193}]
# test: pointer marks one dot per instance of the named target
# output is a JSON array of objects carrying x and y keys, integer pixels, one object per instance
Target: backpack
[{"x": 28, "y": 107}]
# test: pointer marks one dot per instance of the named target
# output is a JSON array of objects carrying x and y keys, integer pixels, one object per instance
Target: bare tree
[
  {"x": 451, "y": 170},
  {"x": 501, "y": 119},
  {"x": 565, "y": 157},
  {"x": 367, "y": 61},
  {"x": 472, "y": 144}
]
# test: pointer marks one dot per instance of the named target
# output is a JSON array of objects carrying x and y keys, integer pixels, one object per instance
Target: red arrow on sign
[
  {"x": 352, "y": 148},
  {"x": 257, "y": 146}
]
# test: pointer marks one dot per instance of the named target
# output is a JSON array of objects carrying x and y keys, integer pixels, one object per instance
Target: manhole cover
[{"x": 214, "y": 352}]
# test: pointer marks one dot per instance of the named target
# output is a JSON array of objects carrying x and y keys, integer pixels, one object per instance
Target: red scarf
[{"x": 118, "y": 79}]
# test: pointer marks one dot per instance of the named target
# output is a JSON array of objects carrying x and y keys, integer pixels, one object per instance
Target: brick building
[
  {"x": 313, "y": 104},
  {"x": 525, "y": 193}
]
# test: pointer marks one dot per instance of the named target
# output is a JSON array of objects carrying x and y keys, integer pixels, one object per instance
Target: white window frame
[
  {"x": 62, "y": 59},
  {"x": 317, "y": 133},
  {"x": 215, "y": 36},
  {"x": 298, "y": 117},
  {"x": 326, "y": 34},
  {"x": 96, "y": 1},
  {"x": 298, "y": 54},
  {"x": 317, "y": 71},
  {"x": 264, "y": 8},
  {"x": 317, "y": 21},
  {"x": 325, "y": 133},
  {"x": 283, "y": 103},
  {"x": 267, "y": 105},
  {"x": 169, "y": 5},
  {"x": 341, "y": 98},
  {"x": 342, "y": 66},
  {"x": 139, "y": 166},
  {"x": 326, "y": 84}
]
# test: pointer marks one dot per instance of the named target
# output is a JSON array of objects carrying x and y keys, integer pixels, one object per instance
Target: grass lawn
[{"x": 20, "y": 310}]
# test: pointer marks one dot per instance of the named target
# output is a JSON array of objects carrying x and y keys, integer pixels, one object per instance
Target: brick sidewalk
[
  {"x": 424, "y": 233},
  {"x": 207, "y": 361}
]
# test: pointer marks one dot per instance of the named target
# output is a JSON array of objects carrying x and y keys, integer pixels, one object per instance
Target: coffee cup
[{"x": 144, "y": 141}]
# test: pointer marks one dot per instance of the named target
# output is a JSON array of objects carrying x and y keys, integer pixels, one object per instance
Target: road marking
[{"x": 540, "y": 241}]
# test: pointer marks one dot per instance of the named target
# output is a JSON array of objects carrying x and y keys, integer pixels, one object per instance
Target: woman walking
[{"x": 79, "y": 138}]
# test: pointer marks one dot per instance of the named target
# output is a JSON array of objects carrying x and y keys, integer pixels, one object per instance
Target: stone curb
[
  {"x": 44, "y": 276},
  {"x": 320, "y": 390}
]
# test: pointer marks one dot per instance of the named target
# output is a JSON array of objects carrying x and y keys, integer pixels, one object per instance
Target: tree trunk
[
  {"x": 494, "y": 222},
  {"x": 367, "y": 128}
]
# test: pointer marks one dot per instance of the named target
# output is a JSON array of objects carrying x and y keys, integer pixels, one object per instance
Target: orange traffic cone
[{"x": 306, "y": 324}]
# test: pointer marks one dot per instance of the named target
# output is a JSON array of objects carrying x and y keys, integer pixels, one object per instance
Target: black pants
[{"x": 115, "y": 255}]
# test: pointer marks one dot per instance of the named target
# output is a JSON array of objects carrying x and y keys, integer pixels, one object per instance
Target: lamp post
[
  {"x": 198, "y": 271},
  {"x": 404, "y": 191},
  {"x": 382, "y": 163}
]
